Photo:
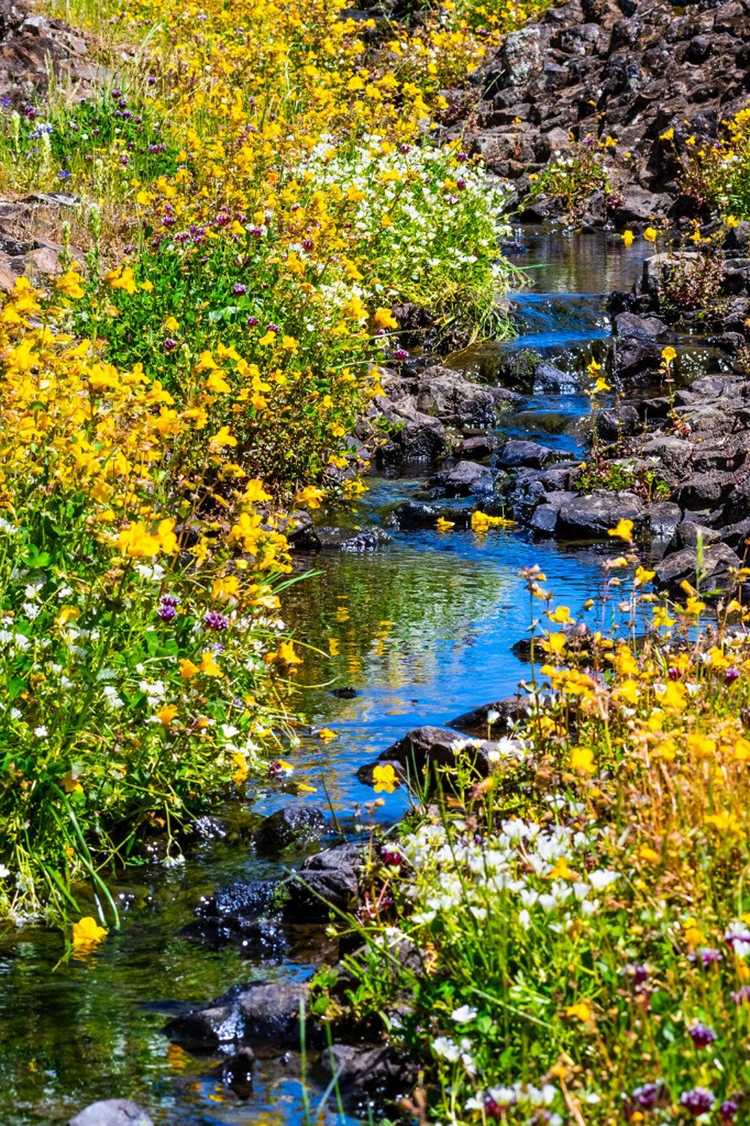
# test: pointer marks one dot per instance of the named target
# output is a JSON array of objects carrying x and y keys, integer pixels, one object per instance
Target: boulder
[
  {"x": 718, "y": 561},
  {"x": 466, "y": 478},
  {"x": 591, "y": 516},
  {"x": 373, "y": 1071},
  {"x": 327, "y": 538},
  {"x": 296, "y": 825},
  {"x": 518, "y": 453},
  {"x": 449, "y": 396},
  {"x": 424, "y": 749},
  {"x": 509, "y": 711},
  {"x": 328, "y": 880},
  {"x": 702, "y": 491},
  {"x": 663, "y": 518},
  {"x": 263, "y": 1012},
  {"x": 112, "y": 1112}
]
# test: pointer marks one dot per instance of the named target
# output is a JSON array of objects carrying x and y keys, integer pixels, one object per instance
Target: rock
[
  {"x": 629, "y": 324},
  {"x": 688, "y": 533},
  {"x": 325, "y": 538},
  {"x": 375, "y": 1071},
  {"x": 296, "y": 825},
  {"x": 517, "y": 452},
  {"x": 327, "y": 880},
  {"x": 592, "y": 515},
  {"x": 544, "y": 519},
  {"x": 236, "y": 1072},
  {"x": 423, "y": 749},
  {"x": 718, "y": 560},
  {"x": 704, "y": 490},
  {"x": 663, "y": 518},
  {"x": 411, "y": 515},
  {"x": 457, "y": 401},
  {"x": 112, "y": 1112},
  {"x": 550, "y": 379},
  {"x": 637, "y": 205},
  {"x": 466, "y": 478},
  {"x": 618, "y": 422},
  {"x": 261, "y": 1012},
  {"x": 413, "y": 436},
  {"x": 510, "y": 710},
  {"x": 521, "y": 55},
  {"x": 478, "y": 447},
  {"x": 634, "y": 356}
]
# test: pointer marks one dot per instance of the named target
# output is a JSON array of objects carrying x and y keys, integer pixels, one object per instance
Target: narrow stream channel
[{"x": 421, "y": 630}]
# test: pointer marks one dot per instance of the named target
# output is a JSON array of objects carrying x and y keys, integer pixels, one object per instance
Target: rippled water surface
[{"x": 419, "y": 631}]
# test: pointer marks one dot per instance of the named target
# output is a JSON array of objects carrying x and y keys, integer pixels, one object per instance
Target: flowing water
[{"x": 415, "y": 633}]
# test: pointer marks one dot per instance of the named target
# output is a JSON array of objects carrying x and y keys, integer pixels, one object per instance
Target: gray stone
[{"x": 112, "y": 1112}]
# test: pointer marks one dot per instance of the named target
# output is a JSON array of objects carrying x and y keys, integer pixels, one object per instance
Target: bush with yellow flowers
[
  {"x": 716, "y": 175},
  {"x": 136, "y": 631},
  {"x": 565, "y": 932}
]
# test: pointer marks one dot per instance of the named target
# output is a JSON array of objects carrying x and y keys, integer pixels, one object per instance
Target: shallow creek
[{"x": 422, "y": 630}]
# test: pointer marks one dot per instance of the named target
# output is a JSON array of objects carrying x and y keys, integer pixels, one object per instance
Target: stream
[{"x": 420, "y": 631}]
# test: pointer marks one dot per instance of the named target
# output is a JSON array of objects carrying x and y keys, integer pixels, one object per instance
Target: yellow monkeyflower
[
  {"x": 385, "y": 779},
  {"x": 87, "y": 934},
  {"x": 581, "y": 1011},
  {"x": 668, "y": 354},
  {"x": 623, "y": 530},
  {"x": 651, "y": 234},
  {"x": 628, "y": 238}
]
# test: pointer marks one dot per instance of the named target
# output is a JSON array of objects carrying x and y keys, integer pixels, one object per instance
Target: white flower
[
  {"x": 41, "y": 731},
  {"x": 447, "y": 1048},
  {"x": 4, "y": 872},
  {"x": 464, "y": 1014},
  {"x": 602, "y": 878}
]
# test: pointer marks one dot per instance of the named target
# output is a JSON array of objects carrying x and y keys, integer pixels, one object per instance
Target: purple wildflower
[
  {"x": 251, "y": 322},
  {"x": 706, "y": 956},
  {"x": 731, "y": 675},
  {"x": 730, "y": 1107},
  {"x": 400, "y": 354},
  {"x": 169, "y": 344},
  {"x": 238, "y": 289},
  {"x": 741, "y": 996},
  {"x": 698, "y": 1101},
  {"x": 649, "y": 1095},
  {"x": 638, "y": 973},
  {"x": 214, "y": 620},
  {"x": 701, "y": 1035}
]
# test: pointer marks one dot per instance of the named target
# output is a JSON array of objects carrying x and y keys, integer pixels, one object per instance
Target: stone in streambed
[
  {"x": 293, "y": 825},
  {"x": 374, "y": 1071},
  {"x": 518, "y": 453},
  {"x": 509, "y": 709},
  {"x": 327, "y": 880},
  {"x": 423, "y": 749},
  {"x": 325, "y": 538},
  {"x": 236, "y": 1072},
  {"x": 717, "y": 562},
  {"x": 591, "y": 515},
  {"x": 112, "y": 1112},
  {"x": 266, "y": 1012},
  {"x": 466, "y": 478}
]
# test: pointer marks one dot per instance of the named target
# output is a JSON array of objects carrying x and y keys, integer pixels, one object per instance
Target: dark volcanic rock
[
  {"x": 718, "y": 560},
  {"x": 466, "y": 478},
  {"x": 518, "y": 453},
  {"x": 262, "y": 1012},
  {"x": 373, "y": 1071},
  {"x": 340, "y": 539},
  {"x": 509, "y": 709},
  {"x": 592, "y": 515},
  {"x": 236, "y": 1072},
  {"x": 425, "y": 748},
  {"x": 330, "y": 879},
  {"x": 292, "y": 825},
  {"x": 112, "y": 1112}
]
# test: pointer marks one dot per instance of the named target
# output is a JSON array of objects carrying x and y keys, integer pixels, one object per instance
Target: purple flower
[
  {"x": 307, "y": 244},
  {"x": 462, "y": 157},
  {"x": 706, "y": 956},
  {"x": 168, "y": 604},
  {"x": 674, "y": 673},
  {"x": 392, "y": 857},
  {"x": 701, "y": 1035},
  {"x": 64, "y": 174},
  {"x": 400, "y": 354},
  {"x": 238, "y": 289},
  {"x": 251, "y": 322},
  {"x": 649, "y": 1095},
  {"x": 731, "y": 675},
  {"x": 169, "y": 344},
  {"x": 742, "y": 995},
  {"x": 271, "y": 327},
  {"x": 461, "y": 185},
  {"x": 638, "y": 973},
  {"x": 698, "y": 1101},
  {"x": 214, "y": 620},
  {"x": 730, "y": 1107}
]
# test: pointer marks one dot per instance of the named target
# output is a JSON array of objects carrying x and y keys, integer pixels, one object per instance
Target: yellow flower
[
  {"x": 668, "y": 354},
  {"x": 385, "y": 779},
  {"x": 481, "y": 521},
  {"x": 384, "y": 318},
  {"x": 444, "y": 525},
  {"x": 327, "y": 735},
  {"x": 187, "y": 669},
  {"x": 628, "y": 238},
  {"x": 87, "y": 934},
  {"x": 582, "y": 760},
  {"x": 241, "y": 769},
  {"x": 661, "y": 618},
  {"x": 650, "y": 855},
  {"x": 581, "y": 1010},
  {"x": 651, "y": 234},
  {"x": 208, "y": 665},
  {"x": 171, "y": 324},
  {"x": 166, "y": 714},
  {"x": 667, "y": 135},
  {"x": 287, "y": 654},
  {"x": 554, "y": 643},
  {"x": 561, "y": 615},
  {"x": 309, "y": 497},
  {"x": 623, "y": 530},
  {"x": 69, "y": 284}
]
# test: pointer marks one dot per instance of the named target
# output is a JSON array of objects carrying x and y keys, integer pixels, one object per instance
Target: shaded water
[{"x": 421, "y": 631}]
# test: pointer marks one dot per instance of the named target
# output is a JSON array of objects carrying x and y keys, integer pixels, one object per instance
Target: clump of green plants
[
  {"x": 561, "y": 931},
  {"x": 716, "y": 175},
  {"x": 692, "y": 283},
  {"x": 572, "y": 178}
]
